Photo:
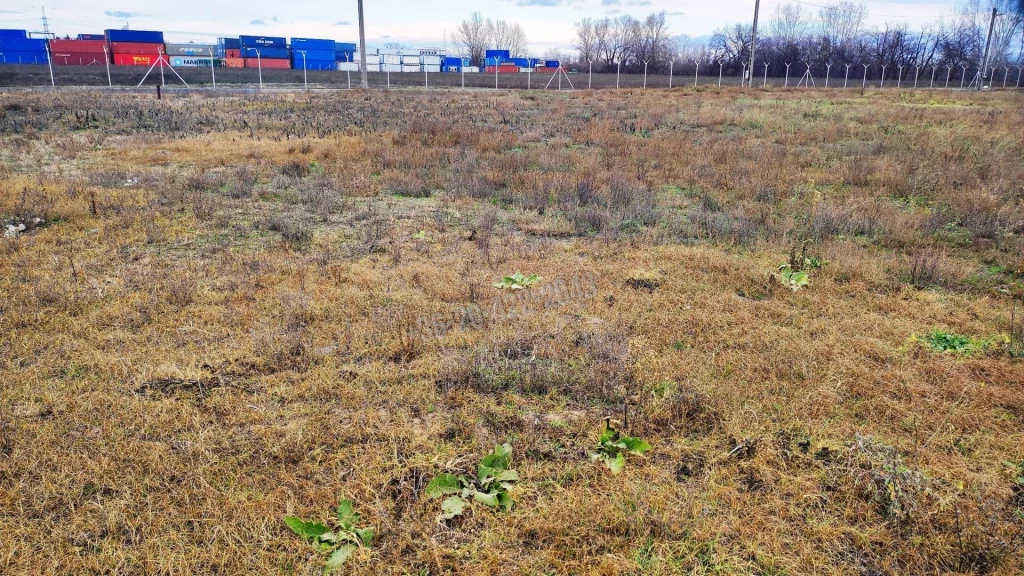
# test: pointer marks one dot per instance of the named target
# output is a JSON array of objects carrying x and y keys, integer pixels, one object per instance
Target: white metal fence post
[
  {"x": 949, "y": 72},
  {"x": 671, "y": 64},
  {"x": 882, "y": 83},
  {"x": 49, "y": 62},
  {"x": 590, "y": 74},
  {"x": 213, "y": 74},
  {"x": 645, "y": 74},
  {"x": 259, "y": 67},
  {"x": 963, "y": 78},
  {"x": 787, "y": 74},
  {"x": 828, "y": 71},
  {"x": 1006, "y": 72},
  {"x": 899, "y": 79},
  {"x": 720, "y": 66},
  {"x": 160, "y": 61},
  {"x": 618, "y": 70},
  {"x": 846, "y": 81},
  {"x": 106, "y": 58},
  {"x": 305, "y": 84},
  {"x": 765, "y": 85},
  {"x": 695, "y": 71},
  {"x": 864, "y": 84}
]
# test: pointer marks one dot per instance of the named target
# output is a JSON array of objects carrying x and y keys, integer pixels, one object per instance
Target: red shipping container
[
  {"x": 77, "y": 58},
  {"x": 268, "y": 63},
  {"x": 135, "y": 48},
  {"x": 503, "y": 69},
  {"x": 137, "y": 59},
  {"x": 232, "y": 53},
  {"x": 234, "y": 62},
  {"x": 77, "y": 46}
]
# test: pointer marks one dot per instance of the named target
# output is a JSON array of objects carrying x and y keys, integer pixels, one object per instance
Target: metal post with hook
[
  {"x": 670, "y": 66},
  {"x": 864, "y": 84},
  {"x": 645, "y": 74},
  {"x": 828, "y": 70},
  {"x": 882, "y": 84},
  {"x": 765, "y": 84},
  {"x": 787, "y": 74},
  {"x": 695, "y": 71},
  {"x": 846, "y": 81},
  {"x": 721, "y": 64}
]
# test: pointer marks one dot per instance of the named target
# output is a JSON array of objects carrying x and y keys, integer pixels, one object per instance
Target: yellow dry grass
[{"x": 216, "y": 325}]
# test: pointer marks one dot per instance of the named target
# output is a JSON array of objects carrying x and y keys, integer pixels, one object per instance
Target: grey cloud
[{"x": 120, "y": 14}]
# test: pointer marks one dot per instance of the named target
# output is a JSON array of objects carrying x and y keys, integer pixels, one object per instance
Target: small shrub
[
  {"x": 612, "y": 447},
  {"x": 490, "y": 486},
  {"x": 517, "y": 281},
  {"x": 339, "y": 544}
]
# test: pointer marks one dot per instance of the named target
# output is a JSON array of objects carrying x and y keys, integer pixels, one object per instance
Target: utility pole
[
  {"x": 753, "y": 41},
  {"x": 362, "y": 46},
  {"x": 46, "y": 23},
  {"x": 988, "y": 42}
]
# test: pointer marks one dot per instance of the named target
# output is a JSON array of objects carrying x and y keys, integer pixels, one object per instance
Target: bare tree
[
  {"x": 505, "y": 35},
  {"x": 789, "y": 24},
  {"x": 587, "y": 41},
  {"x": 471, "y": 37},
  {"x": 842, "y": 22}
]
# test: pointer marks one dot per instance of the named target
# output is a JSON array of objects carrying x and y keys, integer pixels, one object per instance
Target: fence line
[{"x": 955, "y": 78}]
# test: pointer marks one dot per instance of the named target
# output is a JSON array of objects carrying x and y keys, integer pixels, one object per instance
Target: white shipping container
[
  {"x": 474, "y": 69},
  {"x": 391, "y": 59},
  {"x": 411, "y": 60},
  {"x": 431, "y": 52},
  {"x": 348, "y": 66},
  {"x": 389, "y": 52},
  {"x": 410, "y": 67},
  {"x": 431, "y": 61},
  {"x": 409, "y": 52},
  {"x": 369, "y": 67},
  {"x": 431, "y": 68},
  {"x": 390, "y": 67}
]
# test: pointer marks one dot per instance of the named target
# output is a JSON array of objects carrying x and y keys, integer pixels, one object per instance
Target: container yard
[{"x": 145, "y": 47}]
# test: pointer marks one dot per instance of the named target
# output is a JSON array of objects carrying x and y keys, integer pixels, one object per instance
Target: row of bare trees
[
  {"x": 626, "y": 42},
  {"x": 475, "y": 35},
  {"x": 837, "y": 34}
]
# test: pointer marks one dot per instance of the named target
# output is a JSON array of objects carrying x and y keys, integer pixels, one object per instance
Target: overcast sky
[{"x": 415, "y": 23}]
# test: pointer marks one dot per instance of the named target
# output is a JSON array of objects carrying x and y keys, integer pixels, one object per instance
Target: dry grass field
[{"x": 224, "y": 311}]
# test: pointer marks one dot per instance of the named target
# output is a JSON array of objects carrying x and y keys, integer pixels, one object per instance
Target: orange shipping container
[
  {"x": 234, "y": 62},
  {"x": 268, "y": 63}
]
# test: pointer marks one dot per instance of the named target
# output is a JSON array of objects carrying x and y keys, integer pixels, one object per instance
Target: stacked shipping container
[
  {"x": 136, "y": 47},
  {"x": 313, "y": 54},
  {"x": 264, "y": 51},
  {"x": 78, "y": 52},
  {"x": 17, "y": 48}
]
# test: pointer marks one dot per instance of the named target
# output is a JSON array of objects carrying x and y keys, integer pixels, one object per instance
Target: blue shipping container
[
  {"x": 229, "y": 43},
  {"x": 314, "y": 64},
  {"x": 311, "y": 54},
  {"x": 497, "y": 54},
  {"x": 346, "y": 56},
  {"x": 551, "y": 63},
  {"x": 9, "y": 33},
  {"x": 138, "y": 36},
  {"x": 345, "y": 46},
  {"x": 521, "y": 62},
  {"x": 22, "y": 45},
  {"x": 312, "y": 44},
  {"x": 14, "y": 57},
  {"x": 449, "y": 61},
  {"x": 266, "y": 53},
  {"x": 262, "y": 42}
]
